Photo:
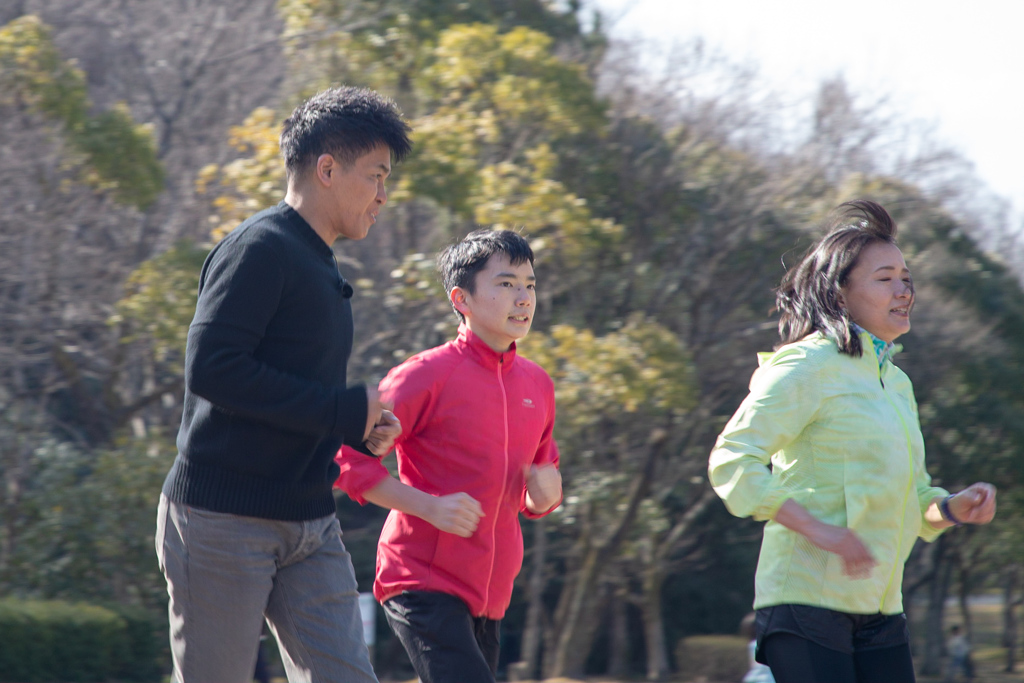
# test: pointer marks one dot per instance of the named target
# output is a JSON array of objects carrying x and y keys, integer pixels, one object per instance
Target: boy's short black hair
[
  {"x": 459, "y": 263},
  {"x": 344, "y": 122}
]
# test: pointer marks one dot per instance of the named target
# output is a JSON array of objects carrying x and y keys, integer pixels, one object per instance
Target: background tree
[{"x": 70, "y": 203}]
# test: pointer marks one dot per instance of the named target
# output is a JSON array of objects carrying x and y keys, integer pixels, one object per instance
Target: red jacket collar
[{"x": 487, "y": 356}]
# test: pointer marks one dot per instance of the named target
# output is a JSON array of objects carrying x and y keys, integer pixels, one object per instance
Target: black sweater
[{"x": 266, "y": 406}]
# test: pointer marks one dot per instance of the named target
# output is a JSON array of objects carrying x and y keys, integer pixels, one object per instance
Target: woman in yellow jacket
[{"x": 827, "y": 448}]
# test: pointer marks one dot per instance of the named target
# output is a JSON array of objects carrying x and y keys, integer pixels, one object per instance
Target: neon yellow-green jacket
[{"x": 843, "y": 439}]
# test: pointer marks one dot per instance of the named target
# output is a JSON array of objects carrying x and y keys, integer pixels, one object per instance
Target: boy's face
[{"x": 501, "y": 307}]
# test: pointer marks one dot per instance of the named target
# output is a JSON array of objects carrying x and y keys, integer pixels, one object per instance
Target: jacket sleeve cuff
[
  {"x": 770, "y": 504},
  {"x": 537, "y": 515},
  {"x": 929, "y": 533},
  {"x": 358, "y": 474},
  {"x": 364, "y": 449},
  {"x": 350, "y": 411},
  {"x": 773, "y": 499}
]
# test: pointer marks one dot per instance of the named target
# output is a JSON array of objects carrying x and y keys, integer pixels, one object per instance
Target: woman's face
[{"x": 878, "y": 294}]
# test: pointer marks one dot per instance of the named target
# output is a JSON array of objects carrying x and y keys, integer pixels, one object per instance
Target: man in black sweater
[{"x": 246, "y": 526}]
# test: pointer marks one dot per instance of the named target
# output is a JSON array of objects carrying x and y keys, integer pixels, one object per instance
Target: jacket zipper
[
  {"x": 504, "y": 481},
  {"x": 906, "y": 493}
]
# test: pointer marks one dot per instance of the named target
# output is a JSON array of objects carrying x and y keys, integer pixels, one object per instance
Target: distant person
[
  {"x": 827, "y": 448},
  {"x": 756, "y": 671},
  {"x": 959, "y": 655},
  {"x": 247, "y": 525},
  {"x": 476, "y": 449}
]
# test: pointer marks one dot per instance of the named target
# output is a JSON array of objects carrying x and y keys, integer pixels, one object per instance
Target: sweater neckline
[{"x": 305, "y": 230}]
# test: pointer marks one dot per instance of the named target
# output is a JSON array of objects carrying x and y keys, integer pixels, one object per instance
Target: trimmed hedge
[
  {"x": 712, "y": 658},
  {"x": 59, "y": 641}
]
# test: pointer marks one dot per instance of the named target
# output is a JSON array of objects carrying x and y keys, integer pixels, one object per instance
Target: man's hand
[
  {"x": 382, "y": 437},
  {"x": 543, "y": 488},
  {"x": 456, "y": 513},
  {"x": 373, "y": 410}
]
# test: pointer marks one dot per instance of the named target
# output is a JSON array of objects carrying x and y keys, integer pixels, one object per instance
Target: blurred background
[{"x": 665, "y": 167}]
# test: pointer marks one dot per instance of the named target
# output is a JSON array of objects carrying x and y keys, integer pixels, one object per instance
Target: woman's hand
[
  {"x": 857, "y": 559},
  {"x": 976, "y": 504}
]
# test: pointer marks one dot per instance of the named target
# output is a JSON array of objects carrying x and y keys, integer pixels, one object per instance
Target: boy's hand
[
  {"x": 382, "y": 436},
  {"x": 543, "y": 488},
  {"x": 456, "y": 513}
]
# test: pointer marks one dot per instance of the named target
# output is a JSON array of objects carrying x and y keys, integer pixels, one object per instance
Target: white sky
[{"x": 953, "y": 63}]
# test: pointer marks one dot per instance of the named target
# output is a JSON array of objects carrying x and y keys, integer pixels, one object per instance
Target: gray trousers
[{"x": 226, "y": 573}]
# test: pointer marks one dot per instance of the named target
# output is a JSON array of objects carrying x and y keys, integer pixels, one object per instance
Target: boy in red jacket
[{"x": 475, "y": 450}]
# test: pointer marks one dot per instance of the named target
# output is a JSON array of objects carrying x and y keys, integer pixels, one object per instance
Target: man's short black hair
[
  {"x": 459, "y": 263},
  {"x": 346, "y": 123}
]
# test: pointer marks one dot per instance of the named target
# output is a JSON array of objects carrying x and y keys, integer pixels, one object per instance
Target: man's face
[
  {"x": 501, "y": 307},
  {"x": 358, "y": 193}
]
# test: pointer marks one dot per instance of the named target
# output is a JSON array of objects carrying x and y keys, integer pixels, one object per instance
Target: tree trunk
[
  {"x": 618, "y": 657},
  {"x": 529, "y": 656},
  {"x": 576, "y": 618},
  {"x": 917, "y": 572},
  {"x": 576, "y": 622},
  {"x": 654, "y": 624},
  {"x": 1010, "y": 616},
  {"x": 16, "y": 473},
  {"x": 937, "y": 592},
  {"x": 963, "y": 598}
]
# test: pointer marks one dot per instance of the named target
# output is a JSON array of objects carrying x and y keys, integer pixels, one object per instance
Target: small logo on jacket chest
[{"x": 527, "y": 403}]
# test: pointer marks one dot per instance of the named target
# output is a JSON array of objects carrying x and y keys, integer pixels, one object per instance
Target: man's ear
[
  {"x": 458, "y": 299},
  {"x": 325, "y": 168}
]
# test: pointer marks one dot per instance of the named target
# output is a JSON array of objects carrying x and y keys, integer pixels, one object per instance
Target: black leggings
[{"x": 797, "y": 660}]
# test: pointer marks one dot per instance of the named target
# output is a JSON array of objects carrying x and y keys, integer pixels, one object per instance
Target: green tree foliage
[
  {"x": 512, "y": 195},
  {"x": 87, "y": 523},
  {"x": 160, "y": 301},
  {"x": 490, "y": 97},
  {"x": 640, "y": 369},
  {"x": 119, "y": 154},
  {"x": 253, "y": 181}
]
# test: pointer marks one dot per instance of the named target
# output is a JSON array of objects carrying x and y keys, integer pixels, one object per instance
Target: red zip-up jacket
[{"x": 472, "y": 420}]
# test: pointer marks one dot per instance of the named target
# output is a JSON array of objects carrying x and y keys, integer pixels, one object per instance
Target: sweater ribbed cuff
[{"x": 350, "y": 414}]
